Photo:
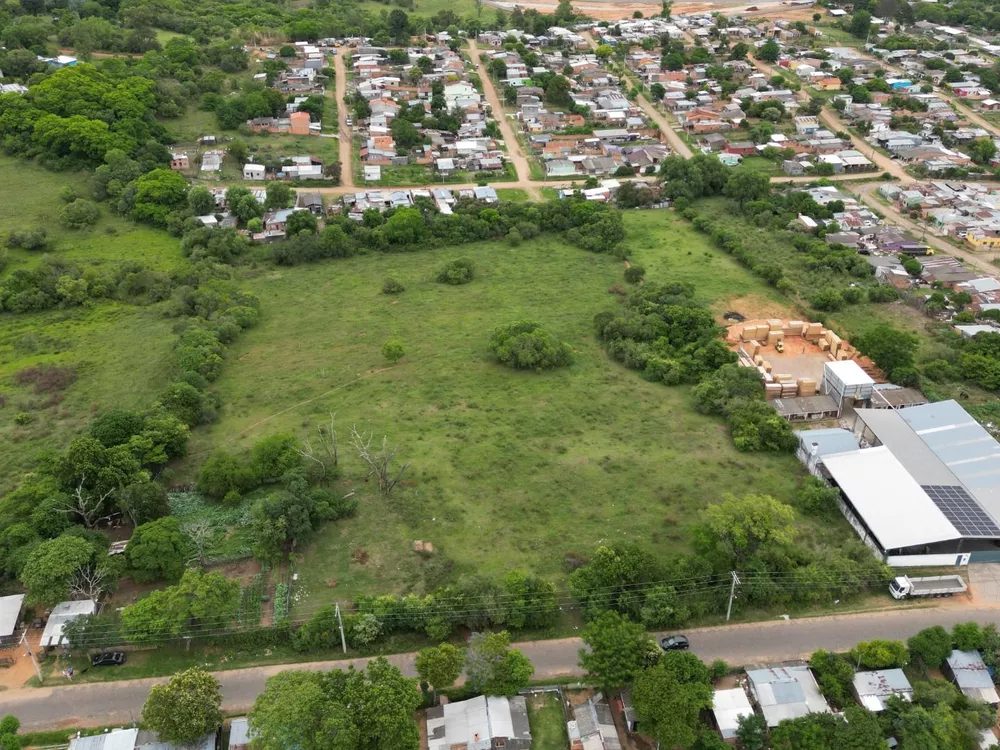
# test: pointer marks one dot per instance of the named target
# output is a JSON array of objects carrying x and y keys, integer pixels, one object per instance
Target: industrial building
[{"x": 924, "y": 488}]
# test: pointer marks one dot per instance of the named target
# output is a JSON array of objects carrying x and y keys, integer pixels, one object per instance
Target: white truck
[{"x": 904, "y": 587}]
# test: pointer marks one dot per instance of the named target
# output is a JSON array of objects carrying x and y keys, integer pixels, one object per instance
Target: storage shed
[{"x": 63, "y": 613}]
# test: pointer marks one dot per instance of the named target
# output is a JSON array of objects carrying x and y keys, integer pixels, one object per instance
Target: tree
[
  {"x": 51, "y": 566},
  {"x": 185, "y": 709},
  {"x": 981, "y": 151},
  {"x": 751, "y": 731},
  {"x": 143, "y": 502},
  {"x": 861, "y": 24},
  {"x": 157, "y": 194},
  {"x": 79, "y": 214},
  {"x": 393, "y": 350},
  {"x": 881, "y": 654},
  {"x": 493, "y": 668},
  {"x": 669, "y": 697},
  {"x": 242, "y": 204},
  {"x": 557, "y": 91},
  {"x": 382, "y": 703},
  {"x": 527, "y": 346},
  {"x": 604, "y": 51},
  {"x": 441, "y": 665},
  {"x": 297, "y": 710},
  {"x": 618, "y": 650},
  {"x": 739, "y": 51},
  {"x": 380, "y": 462},
  {"x": 157, "y": 551},
  {"x": 739, "y": 527},
  {"x": 745, "y": 186},
  {"x": 889, "y": 347},
  {"x": 931, "y": 645},
  {"x": 279, "y": 195},
  {"x": 657, "y": 91},
  {"x": 399, "y": 26},
  {"x": 967, "y": 636},
  {"x": 769, "y": 51},
  {"x": 223, "y": 474}
]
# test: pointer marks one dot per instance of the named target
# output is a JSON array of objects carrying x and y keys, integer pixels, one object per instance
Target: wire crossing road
[{"x": 96, "y": 704}]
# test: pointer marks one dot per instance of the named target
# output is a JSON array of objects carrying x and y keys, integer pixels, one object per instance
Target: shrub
[
  {"x": 526, "y": 346},
  {"x": 46, "y": 378},
  {"x": 392, "y": 286},
  {"x": 458, "y": 271},
  {"x": 79, "y": 214},
  {"x": 28, "y": 240},
  {"x": 968, "y": 636},
  {"x": 223, "y": 474},
  {"x": 393, "y": 350},
  {"x": 634, "y": 274},
  {"x": 931, "y": 645},
  {"x": 881, "y": 654},
  {"x": 67, "y": 194}
]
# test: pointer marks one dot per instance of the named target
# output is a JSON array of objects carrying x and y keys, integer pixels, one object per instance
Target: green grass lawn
[
  {"x": 512, "y": 194},
  {"x": 547, "y": 722},
  {"x": 760, "y": 164},
  {"x": 428, "y": 8},
  {"x": 506, "y": 468}
]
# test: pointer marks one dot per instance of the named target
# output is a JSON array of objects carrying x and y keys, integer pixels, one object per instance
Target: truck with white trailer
[{"x": 904, "y": 587}]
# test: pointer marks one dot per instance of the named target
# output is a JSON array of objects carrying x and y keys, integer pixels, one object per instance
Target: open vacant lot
[{"x": 507, "y": 469}]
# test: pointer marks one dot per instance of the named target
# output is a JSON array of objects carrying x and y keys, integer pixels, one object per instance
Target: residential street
[
  {"x": 346, "y": 139},
  {"x": 119, "y": 702}
]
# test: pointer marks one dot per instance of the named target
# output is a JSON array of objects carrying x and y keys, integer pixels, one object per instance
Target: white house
[{"x": 253, "y": 172}]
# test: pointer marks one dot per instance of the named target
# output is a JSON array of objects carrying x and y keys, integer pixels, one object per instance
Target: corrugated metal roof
[
  {"x": 239, "y": 732},
  {"x": 729, "y": 706},
  {"x": 883, "y": 493},
  {"x": 828, "y": 441},
  {"x": 875, "y": 687},
  {"x": 786, "y": 693},
  {"x": 10, "y": 612},
  {"x": 116, "y": 739}
]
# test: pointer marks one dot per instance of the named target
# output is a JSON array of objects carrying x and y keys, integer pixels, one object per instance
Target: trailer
[{"x": 904, "y": 587}]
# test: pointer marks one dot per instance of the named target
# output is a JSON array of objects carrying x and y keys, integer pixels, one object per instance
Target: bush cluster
[{"x": 527, "y": 346}]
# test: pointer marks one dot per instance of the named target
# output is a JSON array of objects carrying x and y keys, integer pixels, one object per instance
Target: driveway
[{"x": 98, "y": 704}]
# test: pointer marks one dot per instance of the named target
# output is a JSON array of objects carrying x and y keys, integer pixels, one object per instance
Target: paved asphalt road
[{"x": 113, "y": 702}]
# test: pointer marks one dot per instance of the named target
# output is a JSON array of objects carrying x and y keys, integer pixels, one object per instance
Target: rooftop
[
  {"x": 61, "y": 614},
  {"x": 883, "y": 491},
  {"x": 786, "y": 693},
  {"x": 729, "y": 706},
  {"x": 849, "y": 372},
  {"x": 876, "y": 687},
  {"x": 972, "y": 677},
  {"x": 477, "y": 718},
  {"x": 10, "y": 613}
]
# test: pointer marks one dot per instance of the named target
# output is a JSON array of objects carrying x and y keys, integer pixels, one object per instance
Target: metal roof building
[
  {"x": 116, "y": 739},
  {"x": 477, "y": 722},
  {"x": 786, "y": 693},
  {"x": 927, "y": 491},
  {"x": 969, "y": 672},
  {"x": 728, "y": 707},
  {"x": 593, "y": 727},
  {"x": 61, "y": 614},
  {"x": 239, "y": 733},
  {"x": 876, "y": 687},
  {"x": 10, "y": 615}
]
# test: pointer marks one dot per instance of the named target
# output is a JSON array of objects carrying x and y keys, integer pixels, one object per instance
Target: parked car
[
  {"x": 675, "y": 643},
  {"x": 108, "y": 659}
]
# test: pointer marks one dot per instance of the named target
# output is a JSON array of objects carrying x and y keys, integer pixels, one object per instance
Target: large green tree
[
  {"x": 739, "y": 527},
  {"x": 669, "y": 698},
  {"x": 493, "y": 667},
  {"x": 441, "y": 665},
  {"x": 186, "y": 708},
  {"x": 618, "y": 650},
  {"x": 158, "y": 551},
  {"x": 297, "y": 710},
  {"x": 50, "y": 568}
]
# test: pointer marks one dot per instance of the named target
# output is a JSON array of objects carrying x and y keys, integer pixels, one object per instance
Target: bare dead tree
[
  {"x": 200, "y": 532},
  {"x": 327, "y": 456},
  {"x": 379, "y": 462},
  {"x": 85, "y": 504},
  {"x": 90, "y": 582}
]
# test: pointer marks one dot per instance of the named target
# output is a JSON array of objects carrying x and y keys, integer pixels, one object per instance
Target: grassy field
[
  {"x": 432, "y": 7},
  {"x": 29, "y": 196},
  {"x": 504, "y": 465},
  {"x": 120, "y": 353},
  {"x": 548, "y": 725}
]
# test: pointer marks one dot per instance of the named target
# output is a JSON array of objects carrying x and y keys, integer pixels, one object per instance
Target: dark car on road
[
  {"x": 675, "y": 643},
  {"x": 108, "y": 659}
]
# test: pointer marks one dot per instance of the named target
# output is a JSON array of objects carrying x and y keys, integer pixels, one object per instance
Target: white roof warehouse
[{"x": 928, "y": 490}]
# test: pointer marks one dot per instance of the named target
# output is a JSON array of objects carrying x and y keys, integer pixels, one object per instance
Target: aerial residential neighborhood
[{"x": 563, "y": 376}]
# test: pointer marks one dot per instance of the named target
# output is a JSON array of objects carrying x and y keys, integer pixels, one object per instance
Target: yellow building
[{"x": 979, "y": 239}]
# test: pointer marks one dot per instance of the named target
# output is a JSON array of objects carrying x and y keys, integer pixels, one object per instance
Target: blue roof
[
  {"x": 828, "y": 441},
  {"x": 961, "y": 444}
]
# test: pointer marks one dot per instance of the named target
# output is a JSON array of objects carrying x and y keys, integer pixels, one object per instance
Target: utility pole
[
  {"x": 340, "y": 622},
  {"x": 732, "y": 593},
  {"x": 34, "y": 662}
]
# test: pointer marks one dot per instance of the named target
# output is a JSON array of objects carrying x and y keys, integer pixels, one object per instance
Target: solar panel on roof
[{"x": 959, "y": 507}]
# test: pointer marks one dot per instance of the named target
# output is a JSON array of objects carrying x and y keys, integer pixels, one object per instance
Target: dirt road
[
  {"x": 676, "y": 142},
  {"x": 973, "y": 259},
  {"x": 346, "y": 139},
  {"x": 514, "y": 151}
]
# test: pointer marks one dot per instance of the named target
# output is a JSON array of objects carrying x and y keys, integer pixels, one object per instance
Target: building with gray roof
[
  {"x": 786, "y": 692},
  {"x": 968, "y": 671},
  {"x": 10, "y": 616},
  {"x": 593, "y": 727},
  {"x": 874, "y": 688},
  {"x": 479, "y": 723}
]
